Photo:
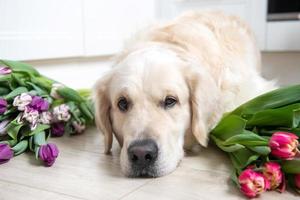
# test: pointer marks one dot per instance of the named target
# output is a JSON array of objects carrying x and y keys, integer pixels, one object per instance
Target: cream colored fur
[{"x": 209, "y": 61}]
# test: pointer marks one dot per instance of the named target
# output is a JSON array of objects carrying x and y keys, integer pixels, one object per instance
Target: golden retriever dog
[{"x": 170, "y": 87}]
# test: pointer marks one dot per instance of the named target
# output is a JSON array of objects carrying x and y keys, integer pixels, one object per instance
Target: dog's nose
[{"x": 143, "y": 153}]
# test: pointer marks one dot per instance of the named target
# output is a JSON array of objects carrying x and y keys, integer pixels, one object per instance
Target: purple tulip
[
  {"x": 6, "y": 153},
  {"x": 3, "y": 106},
  {"x": 48, "y": 153},
  {"x": 39, "y": 104},
  {"x": 5, "y": 70},
  {"x": 57, "y": 129}
]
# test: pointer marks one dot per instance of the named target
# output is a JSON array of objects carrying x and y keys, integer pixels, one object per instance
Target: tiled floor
[{"x": 82, "y": 171}]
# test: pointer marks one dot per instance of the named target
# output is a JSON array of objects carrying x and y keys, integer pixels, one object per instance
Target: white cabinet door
[
  {"x": 39, "y": 29},
  {"x": 108, "y": 23}
]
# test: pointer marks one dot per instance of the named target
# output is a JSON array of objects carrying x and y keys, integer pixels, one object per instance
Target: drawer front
[{"x": 283, "y": 36}]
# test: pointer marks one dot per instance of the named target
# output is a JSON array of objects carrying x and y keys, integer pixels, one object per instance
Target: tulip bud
[
  {"x": 57, "y": 129},
  {"x": 6, "y": 153},
  {"x": 253, "y": 183},
  {"x": 61, "y": 113},
  {"x": 79, "y": 128},
  {"x": 55, "y": 87},
  {"x": 22, "y": 101},
  {"x": 48, "y": 153},
  {"x": 3, "y": 106},
  {"x": 284, "y": 145},
  {"x": 5, "y": 70},
  {"x": 272, "y": 171},
  {"x": 3, "y": 127}
]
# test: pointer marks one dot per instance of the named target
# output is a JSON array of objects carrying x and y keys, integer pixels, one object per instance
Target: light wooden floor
[{"x": 82, "y": 171}]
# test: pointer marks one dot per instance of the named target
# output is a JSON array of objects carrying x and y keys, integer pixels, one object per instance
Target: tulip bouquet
[
  {"x": 261, "y": 138},
  {"x": 33, "y": 108}
]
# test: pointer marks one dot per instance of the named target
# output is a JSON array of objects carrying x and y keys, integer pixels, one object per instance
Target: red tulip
[
  {"x": 253, "y": 183},
  {"x": 284, "y": 145}
]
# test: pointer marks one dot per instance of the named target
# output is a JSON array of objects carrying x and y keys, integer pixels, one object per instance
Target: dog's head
[{"x": 152, "y": 101}]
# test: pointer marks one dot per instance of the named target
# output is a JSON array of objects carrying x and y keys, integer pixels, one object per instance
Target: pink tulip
[
  {"x": 284, "y": 145},
  {"x": 272, "y": 171},
  {"x": 253, "y": 183}
]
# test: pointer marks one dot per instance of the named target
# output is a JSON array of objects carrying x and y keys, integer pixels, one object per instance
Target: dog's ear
[
  {"x": 102, "y": 110},
  {"x": 203, "y": 101}
]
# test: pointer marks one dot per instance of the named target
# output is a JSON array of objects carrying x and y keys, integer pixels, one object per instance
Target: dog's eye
[
  {"x": 123, "y": 104},
  {"x": 170, "y": 102}
]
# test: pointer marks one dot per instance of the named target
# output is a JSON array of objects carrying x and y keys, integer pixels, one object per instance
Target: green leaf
[
  {"x": 85, "y": 110},
  {"x": 75, "y": 112},
  {"x": 70, "y": 94},
  {"x": 20, "y": 67},
  {"x": 231, "y": 148},
  {"x": 5, "y": 78},
  {"x": 287, "y": 116},
  {"x": 9, "y": 142},
  {"x": 57, "y": 102},
  {"x": 229, "y": 126},
  {"x": 242, "y": 157},
  {"x": 16, "y": 92},
  {"x": 4, "y": 91},
  {"x": 39, "y": 138},
  {"x": 235, "y": 162},
  {"x": 252, "y": 158},
  {"x": 19, "y": 78},
  {"x": 85, "y": 93},
  {"x": 43, "y": 82},
  {"x": 31, "y": 143},
  {"x": 38, "y": 129},
  {"x": 234, "y": 178},
  {"x": 13, "y": 129},
  {"x": 291, "y": 166},
  {"x": 12, "y": 142},
  {"x": 20, "y": 147},
  {"x": 261, "y": 150},
  {"x": 36, "y": 150},
  {"x": 37, "y": 89},
  {"x": 274, "y": 99},
  {"x": 246, "y": 138}
]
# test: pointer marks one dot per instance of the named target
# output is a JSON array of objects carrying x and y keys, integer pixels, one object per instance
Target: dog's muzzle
[{"x": 142, "y": 155}]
